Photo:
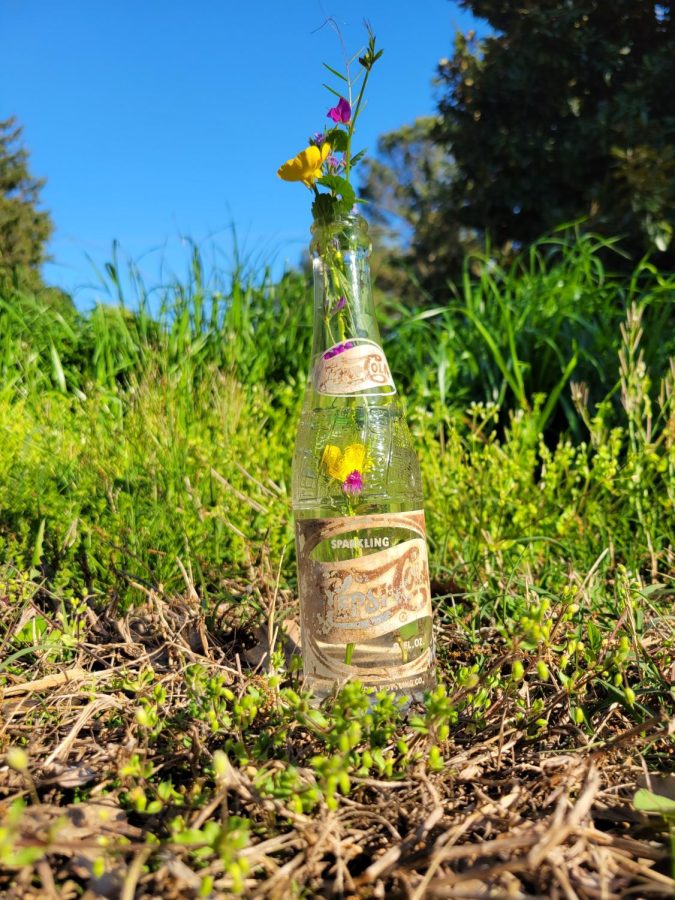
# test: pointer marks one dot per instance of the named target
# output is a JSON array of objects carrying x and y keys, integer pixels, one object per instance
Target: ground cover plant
[{"x": 155, "y": 736}]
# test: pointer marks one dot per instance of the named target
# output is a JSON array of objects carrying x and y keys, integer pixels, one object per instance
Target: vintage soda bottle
[{"x": 363, "y": 574}]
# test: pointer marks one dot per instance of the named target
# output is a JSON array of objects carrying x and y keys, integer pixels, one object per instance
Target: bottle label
[
  {"x": 377, "y": 593},
  {"x": 352, "y": 367}
]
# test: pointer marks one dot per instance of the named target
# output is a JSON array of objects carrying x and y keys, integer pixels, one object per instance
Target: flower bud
[{"x": 17, "y": 759}]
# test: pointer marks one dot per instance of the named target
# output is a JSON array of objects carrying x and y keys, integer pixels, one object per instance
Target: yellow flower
[
  {"x": 339, "y": 465},
  {"x": 306, "y": 166}
]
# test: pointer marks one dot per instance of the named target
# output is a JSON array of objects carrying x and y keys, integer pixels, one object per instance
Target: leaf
[
  {"x": 555, "y": 393},
  {"x": 358, "y": 157},
  {"x": 7, "y": 662},
  {"x": 329, "y": 88},
  {"x": 323, "y": 208},
  {"x": 594, "y": 636},
  {"x": 647, "y": 801},
  {"x": 335, "y": 72},
  {"x": 662, "y": 235},
  {"x": 58, "y": 368},
  {"x": 37, "y": 546},
  {"x": 496, "y": 354},
  {"x": 338, "y": 139},
  {"x": 341, "y": 186},
  {"x": 409, "y": 630}
]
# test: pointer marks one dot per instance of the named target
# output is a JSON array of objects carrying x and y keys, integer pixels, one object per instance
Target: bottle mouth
[
  {"x": 349, "y": 232},
  {"x": 350, "y": 219}
]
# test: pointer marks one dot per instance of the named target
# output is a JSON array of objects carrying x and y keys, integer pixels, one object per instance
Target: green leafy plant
[{"x": 329, "y": 159}]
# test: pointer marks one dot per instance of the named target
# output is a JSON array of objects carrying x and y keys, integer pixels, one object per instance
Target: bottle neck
[{"x": 344, "y": 313}]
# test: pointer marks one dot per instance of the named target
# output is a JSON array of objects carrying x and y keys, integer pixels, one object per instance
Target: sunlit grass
[{"x": 147, "y": 562}]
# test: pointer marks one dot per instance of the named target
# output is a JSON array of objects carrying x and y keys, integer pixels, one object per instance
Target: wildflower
[
  {"x": 306, "y": 166},
  {"x": 353, "y": 483},
  {"x": 339, "y": 348},
  {"x": 341, "y": 464},
  {"x": 334, "y": 163},
  {"x": 339, "y": 306},
  {"x": 341, "y": 113},
  {"x": 316, "y": 160}
]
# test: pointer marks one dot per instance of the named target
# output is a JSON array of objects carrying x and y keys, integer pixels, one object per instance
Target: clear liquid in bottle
[{"x": 365, "y": 601}]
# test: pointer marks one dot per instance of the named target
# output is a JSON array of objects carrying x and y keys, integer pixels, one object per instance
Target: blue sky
[{"x": 153, "y": 121}]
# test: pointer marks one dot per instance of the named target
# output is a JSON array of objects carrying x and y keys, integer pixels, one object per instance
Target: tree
[
  {"x": 408, "y": 188},
  {"x": 24, "y": 229},
  {"x": 566, "y": 111}
]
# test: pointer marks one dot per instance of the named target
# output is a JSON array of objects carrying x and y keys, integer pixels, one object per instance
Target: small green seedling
[{"x": 648, "y": 802}]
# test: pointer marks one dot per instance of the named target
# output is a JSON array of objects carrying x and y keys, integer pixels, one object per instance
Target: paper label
[
  {"x": 361, "y": 367},
  {"x": 356, "y": 600}
]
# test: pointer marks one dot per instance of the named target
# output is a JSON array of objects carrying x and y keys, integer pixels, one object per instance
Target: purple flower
[
  {"x": 317, "y": 138},
  {"x": 341, "y": 113},
  {"x": 340, "y": 305},
  {"x": 353, "y": 484},
  {"x": 333, "y": 163},
  {"x": 338, "y": 348}
]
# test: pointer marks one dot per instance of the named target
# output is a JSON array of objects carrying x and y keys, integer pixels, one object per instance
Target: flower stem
[
  {"x": 331, "y": 339},
  {"x": 350, "y": 132}
]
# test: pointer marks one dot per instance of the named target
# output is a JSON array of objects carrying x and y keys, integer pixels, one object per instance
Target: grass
[{"x": 156, "y": 736}]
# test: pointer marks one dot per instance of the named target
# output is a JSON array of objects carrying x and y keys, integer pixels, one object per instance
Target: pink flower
[
  {"x": 353, "y": 484},
  {"x": 341, "y": 113},
  {"x": 334, "y": 163},
  {"x": 338, "y": 348}
]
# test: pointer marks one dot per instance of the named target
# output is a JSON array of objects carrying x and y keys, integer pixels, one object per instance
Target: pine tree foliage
[
  {"x": 24, "y": 228},
  {"x": 564, "y": 112}
]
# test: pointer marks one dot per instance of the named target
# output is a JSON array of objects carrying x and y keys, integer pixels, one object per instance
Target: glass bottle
[{"x": 365, "y": 604}]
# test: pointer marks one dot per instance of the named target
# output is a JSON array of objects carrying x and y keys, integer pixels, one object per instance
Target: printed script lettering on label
[
  {"x": 365, "y": 596},
  {"x": 369, "y": 596},
  {"x": 362, "y": 367},
  {"x": 366, "y": 599}
]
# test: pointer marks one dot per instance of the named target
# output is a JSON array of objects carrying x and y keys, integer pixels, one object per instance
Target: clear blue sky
[{"x": 156, "y": 120}]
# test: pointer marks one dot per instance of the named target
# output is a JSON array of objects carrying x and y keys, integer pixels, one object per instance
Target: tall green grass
[
  {"x": 146, "y": 544},
  {"x": 156, "y": 433},
  {"x": 506, "y": 336},
  {"x": 256, "y": 330},
  {"x": 518, "y": 336}
]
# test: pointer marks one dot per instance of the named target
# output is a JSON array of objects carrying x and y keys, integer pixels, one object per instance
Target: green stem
[
  {"x": 337, "y": 285},
  {"x": 326, "y": 320},
  {"x": 350, "y": 132}
]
